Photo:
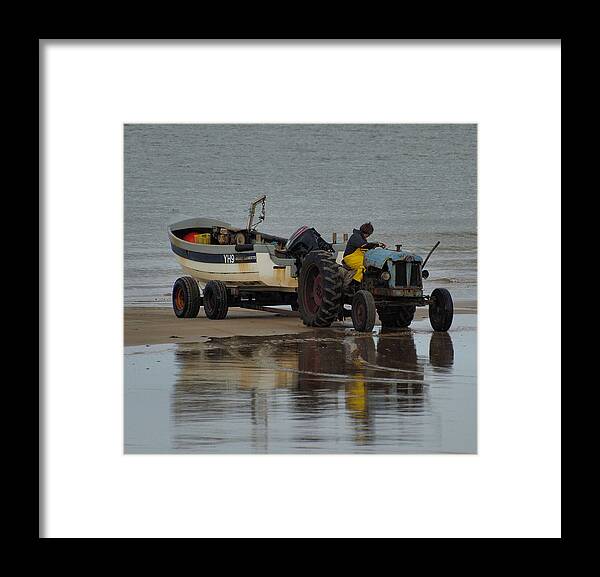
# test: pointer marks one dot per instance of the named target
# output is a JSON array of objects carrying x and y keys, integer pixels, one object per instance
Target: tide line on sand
[{"x": 158, "y": 325}]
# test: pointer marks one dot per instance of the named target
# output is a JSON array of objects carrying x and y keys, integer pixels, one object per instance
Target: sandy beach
[{"x": 158, "y": 325}]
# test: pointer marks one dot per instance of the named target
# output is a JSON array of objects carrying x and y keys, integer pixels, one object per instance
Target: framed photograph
[
  {"x": 346, "y": 322},
  {"x": 300, "y": 288}
]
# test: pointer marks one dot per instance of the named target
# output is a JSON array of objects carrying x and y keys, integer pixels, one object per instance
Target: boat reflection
[{"x": 312, "y": 383}]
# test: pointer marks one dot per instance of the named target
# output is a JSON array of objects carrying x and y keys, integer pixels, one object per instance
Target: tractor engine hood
[{"x": 377, "y": 257}]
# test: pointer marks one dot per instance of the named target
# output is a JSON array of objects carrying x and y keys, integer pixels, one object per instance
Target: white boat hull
[
  {"x": 258, "y": 267},
  {"x": 261, "y": 274}
]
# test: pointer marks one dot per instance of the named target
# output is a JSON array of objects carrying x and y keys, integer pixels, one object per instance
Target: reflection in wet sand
[
  {"x": 330, "y": 390},
  {"x": 441, "y": 351}
]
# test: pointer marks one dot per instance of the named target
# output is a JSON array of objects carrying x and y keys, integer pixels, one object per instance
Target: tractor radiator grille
[{"x": 402, "y": 273}]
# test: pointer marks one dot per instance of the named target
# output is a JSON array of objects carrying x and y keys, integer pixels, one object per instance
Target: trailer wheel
[
  {"x": 397, "y": 317},
  {"x": 319, "y": 289},
  {"x": 363, "y": 311},
  {"x": 186, "y": 298},
  {"x": 441, "y": 309},
  {"x": 215, "y": 300}
]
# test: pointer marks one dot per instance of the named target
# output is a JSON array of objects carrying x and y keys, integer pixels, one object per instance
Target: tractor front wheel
[
  {"x": 441, "y": 309},
  {"x": 363, "y": 311}
]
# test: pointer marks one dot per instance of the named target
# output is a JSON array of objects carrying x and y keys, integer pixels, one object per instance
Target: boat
[
  {"x": 254, "y": 266},
  {"x": 209, "y": 249}
]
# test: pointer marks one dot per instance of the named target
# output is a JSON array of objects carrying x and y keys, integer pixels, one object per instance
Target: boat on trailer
[{"x": 253, "y": 267}]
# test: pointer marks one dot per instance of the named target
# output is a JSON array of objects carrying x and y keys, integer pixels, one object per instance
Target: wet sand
[
  {"x": 314, "y": 391},
  {"x": 158, "y": 325}
]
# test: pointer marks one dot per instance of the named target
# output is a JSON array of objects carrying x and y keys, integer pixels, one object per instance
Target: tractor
[{"x": 392, "y": 286}]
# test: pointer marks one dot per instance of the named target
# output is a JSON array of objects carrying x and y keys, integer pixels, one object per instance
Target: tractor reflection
[{"x": 357, "y": 378}]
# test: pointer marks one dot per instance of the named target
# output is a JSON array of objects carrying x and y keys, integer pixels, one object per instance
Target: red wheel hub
[
  {"x": 313, "y": 295},
  {"x": 318, "y": 288},
  {"x": 179, "y": 299},
  {"x": 360, "y": 312}
]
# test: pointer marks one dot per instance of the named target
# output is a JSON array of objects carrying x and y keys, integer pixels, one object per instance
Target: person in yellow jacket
[{"x": 354, "y": 255}]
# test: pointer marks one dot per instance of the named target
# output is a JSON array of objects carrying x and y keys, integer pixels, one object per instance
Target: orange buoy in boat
[{"x": 190, "y": 236}]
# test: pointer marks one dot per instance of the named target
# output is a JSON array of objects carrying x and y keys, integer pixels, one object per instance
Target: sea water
[{"x": 416, "y": 183}]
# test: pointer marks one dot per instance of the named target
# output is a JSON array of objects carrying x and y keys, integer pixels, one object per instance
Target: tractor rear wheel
[
  {"x": 215, "y": 300},
  {"x": 363, "y": 311},
  {"x": 441, "y": 309},
  {"x": 396, "y": 317},
  {"x": 319, "y": 289},
  {"x": 186, "y": 298}
]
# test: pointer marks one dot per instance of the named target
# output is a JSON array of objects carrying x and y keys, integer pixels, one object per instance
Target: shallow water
[
  {"x": 416, "y": 183},
  {"x": 327, "y": 391}
]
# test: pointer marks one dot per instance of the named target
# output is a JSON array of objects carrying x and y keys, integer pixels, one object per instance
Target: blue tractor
[{"x": 392, "y": 286}]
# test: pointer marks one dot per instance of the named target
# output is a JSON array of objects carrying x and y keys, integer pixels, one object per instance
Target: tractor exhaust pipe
[{"x": 430, "y": 253}]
